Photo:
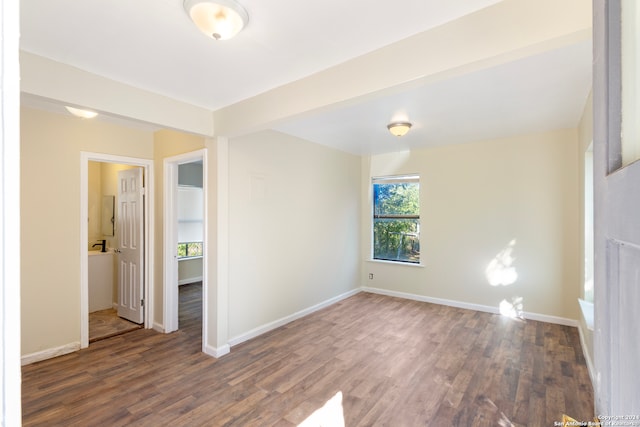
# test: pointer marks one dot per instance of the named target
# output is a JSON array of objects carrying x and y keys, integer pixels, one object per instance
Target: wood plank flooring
[
  {"x": 106, "y": 324},
  {"x": 393, "y": 362}
]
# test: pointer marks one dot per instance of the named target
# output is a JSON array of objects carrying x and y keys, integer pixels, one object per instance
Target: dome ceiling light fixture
[
  {"x": 399, "y": 128},
  {"x": 218, "y": 19},
  {"x": 83, "y": 114}
]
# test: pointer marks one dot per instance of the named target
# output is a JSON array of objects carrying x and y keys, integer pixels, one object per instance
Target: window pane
[
  {"x": 189, "y": 249},
  {"x": 182, "y": 249},
  {"x": 396, "y": 240},
  {"x": 396, "y": 199},
  {"x": 194, "y": 249}
]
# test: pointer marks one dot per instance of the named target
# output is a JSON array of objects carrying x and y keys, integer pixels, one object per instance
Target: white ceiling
[
  {"x": 538, "y": 93},
  {"x": 152, "y": 45}
]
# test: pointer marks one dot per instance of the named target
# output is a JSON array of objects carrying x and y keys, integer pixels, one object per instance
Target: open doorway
[
  {"x": 185, "y": 243},
  {"x": 114, "y": 251},
  {"x": 114, "y": 225},
  {"x": 190, "y": 230}
]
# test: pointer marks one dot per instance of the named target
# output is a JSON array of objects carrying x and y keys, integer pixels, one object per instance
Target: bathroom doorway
[
  {"x": 103, "y": 246},
  {"x": 112, "y": 219}
]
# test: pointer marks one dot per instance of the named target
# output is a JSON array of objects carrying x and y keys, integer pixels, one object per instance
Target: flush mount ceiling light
[
  {"x": 399, "y": 128},
  {"x": 218, "y": 19},
  {"x": 83, "y": 114}
]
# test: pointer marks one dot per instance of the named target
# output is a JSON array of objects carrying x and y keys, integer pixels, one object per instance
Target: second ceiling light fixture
[{"x": 399, "y": 128}]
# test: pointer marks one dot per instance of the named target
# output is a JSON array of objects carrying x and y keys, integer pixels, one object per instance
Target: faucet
[{"x": 102, "y": 244}]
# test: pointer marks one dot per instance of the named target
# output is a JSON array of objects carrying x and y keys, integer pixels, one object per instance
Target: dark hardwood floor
[
  {"x": 105, "y": 324},
  {"x": 384, "y": 361}
]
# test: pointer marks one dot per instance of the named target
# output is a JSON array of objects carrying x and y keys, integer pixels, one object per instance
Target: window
[
  {"x": 190, "y": 221},
  {"x": 190, "y": 249},
  {"x": 396, "y": 219}
]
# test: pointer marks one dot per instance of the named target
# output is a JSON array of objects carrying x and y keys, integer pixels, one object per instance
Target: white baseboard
[
  {"x": 216, "y": 352},
  {"x": 587, "y": 357},
  {"x": 287, "y": 319},
  {"x": 50, "y": 353},
  {"x": 189, "y": 280},
  {"x": 551, "y": 319},
  {"x": 470, "y": 306},
  {"x": 158, "y": 327}
]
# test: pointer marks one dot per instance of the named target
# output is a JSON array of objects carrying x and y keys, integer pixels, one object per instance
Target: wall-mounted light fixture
[
  {"x": 83, "y": 114},
  {"x": 399, "y": 128},
  {"x": 218, "y": 19}
]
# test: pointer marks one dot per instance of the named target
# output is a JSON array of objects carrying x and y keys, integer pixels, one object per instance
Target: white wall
[
  {"x": 294, "y": 211},
  {"x": 475, "y": 199},
  {"x": 189, "y": 270}
]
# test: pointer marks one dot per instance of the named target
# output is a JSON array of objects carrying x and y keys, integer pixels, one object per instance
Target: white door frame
[
  {"x": 85, "y": 158},
  {"x": 170, "y": 277},
  {"x": 10, "y": 392}
]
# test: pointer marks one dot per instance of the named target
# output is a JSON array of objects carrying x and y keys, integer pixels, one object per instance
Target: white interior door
[
  {"x": 130, "y": 245},
  {"x": 617, "y": 204}
]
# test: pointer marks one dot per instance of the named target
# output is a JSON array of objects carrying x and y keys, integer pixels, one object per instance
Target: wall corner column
[{"x": 217, "y": 295}]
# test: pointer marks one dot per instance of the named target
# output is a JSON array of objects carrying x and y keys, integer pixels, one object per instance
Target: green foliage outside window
[
  {"x": 190, "y": 249},
  {"x": 396, "y": 219}
]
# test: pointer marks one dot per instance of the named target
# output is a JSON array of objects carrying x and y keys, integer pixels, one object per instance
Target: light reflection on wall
[{"x": 501, "y": 271}]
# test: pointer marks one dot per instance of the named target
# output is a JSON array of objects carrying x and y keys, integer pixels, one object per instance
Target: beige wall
[
  {"x": 299, "y": 222},
  {"x": 50, "y": 204},
  {"x": 94, "y": 203},
  {"x": 51, "y": 144},
  {"x": 167, "y": 143},
  {"x": 475, "y": 199},
  {"x": 294, "y": 227}
]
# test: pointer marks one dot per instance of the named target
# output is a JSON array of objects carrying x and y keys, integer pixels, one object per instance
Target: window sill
[
  {"x": 403, "y": 264},
  {"x": 587, "y": 312},
  {"x": 187, "y": 258}
]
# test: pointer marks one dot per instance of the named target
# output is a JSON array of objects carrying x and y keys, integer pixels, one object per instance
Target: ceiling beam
[
  {"x": 71, "y": 86},
  {"x": 506, "y": 31}
]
